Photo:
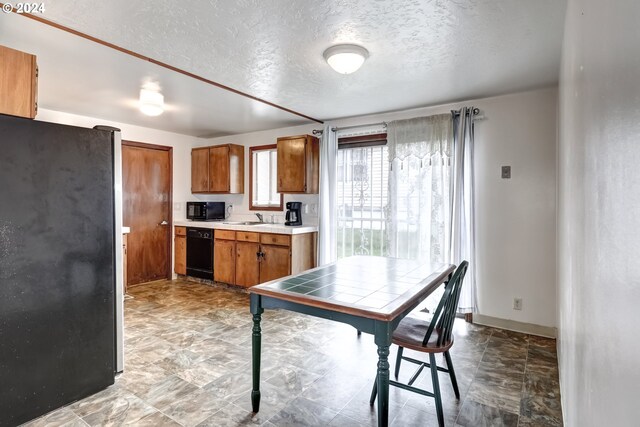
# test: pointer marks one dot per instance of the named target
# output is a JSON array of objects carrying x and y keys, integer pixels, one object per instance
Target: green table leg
[
  {"x": 383, "y": 341},
  {"x": 256, "y": 341}
]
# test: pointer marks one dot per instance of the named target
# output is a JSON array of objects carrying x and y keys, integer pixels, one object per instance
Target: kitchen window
[{"x": 263, "y": 193}]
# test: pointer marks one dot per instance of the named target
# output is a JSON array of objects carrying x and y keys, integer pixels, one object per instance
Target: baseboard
[{"x": 512, "y": 325}]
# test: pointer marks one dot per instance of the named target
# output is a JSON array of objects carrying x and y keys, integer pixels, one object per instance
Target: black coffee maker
[{"x": 294, "y": 213}]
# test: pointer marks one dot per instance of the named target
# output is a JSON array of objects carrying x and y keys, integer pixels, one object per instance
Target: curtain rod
[
  {"x": 334, "y": 129},
  {"x": 476, "y": 111}
]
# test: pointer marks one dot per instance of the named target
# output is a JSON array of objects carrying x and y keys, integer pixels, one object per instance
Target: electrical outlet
[
  {"x": 517, "y": 303},
  {"x": 506, "y": 172}
]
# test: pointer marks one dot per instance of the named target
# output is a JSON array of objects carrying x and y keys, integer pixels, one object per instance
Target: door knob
[{"x": 164, "y": 223}]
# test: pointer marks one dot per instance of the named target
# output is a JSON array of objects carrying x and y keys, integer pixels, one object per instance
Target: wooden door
[
  {"x": 247, "y": 265},
  {"x": 200, "y": 170},
  {"x": 276, "y": 262},
  {"x": 146, "y": 194},
  {"x": 219, "y": 169},
  {"x": 224, "y": 261},
  {"x": 180, "y": 251},
  {"x": 291, "y": 165}
]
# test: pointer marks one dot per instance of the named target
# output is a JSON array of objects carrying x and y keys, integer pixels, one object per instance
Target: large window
[
  {"x": 362, "y": 187},
  {"x": 263, "y": 193}
]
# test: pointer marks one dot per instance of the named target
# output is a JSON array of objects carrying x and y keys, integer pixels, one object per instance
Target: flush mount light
[
  {"x": 151, "y": 102},
  {"x": 345, "y": 58}
]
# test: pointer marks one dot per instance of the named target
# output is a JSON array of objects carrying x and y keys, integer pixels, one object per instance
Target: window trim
[{"x": 251, "y": 205}]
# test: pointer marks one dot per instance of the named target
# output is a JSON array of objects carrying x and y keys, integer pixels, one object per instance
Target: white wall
[
  {"x": 598, "y": 214},
  {"x": 240, "y": 202},
  {"x": 181, "y": 148},
  {"x": 515, "y": 218}
]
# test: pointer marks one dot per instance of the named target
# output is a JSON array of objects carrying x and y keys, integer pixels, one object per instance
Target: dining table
[{"x": 371, "y": 293}]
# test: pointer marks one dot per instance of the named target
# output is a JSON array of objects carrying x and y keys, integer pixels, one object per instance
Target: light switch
[{"x": 506, "y": 172}]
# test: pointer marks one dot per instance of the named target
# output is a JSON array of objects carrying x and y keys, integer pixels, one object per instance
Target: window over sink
[{"x": 263, "y": 193}]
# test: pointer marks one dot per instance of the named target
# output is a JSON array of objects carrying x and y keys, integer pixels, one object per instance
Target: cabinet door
[
  {"x": 291, "y": 165},
  {"x": 200, "y": 170},
  {"x": 224, "y": 261},
  {"x": 219, "y": 169},
  {"x": 180, "y": 254},
  {"x": 247, "y": 265},
  {"x": 18, "y": 83},
  {"x": 275, "y": 263}
]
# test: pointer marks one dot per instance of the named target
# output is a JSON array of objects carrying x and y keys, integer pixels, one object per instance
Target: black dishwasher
[{"x": 200, "y": 253}]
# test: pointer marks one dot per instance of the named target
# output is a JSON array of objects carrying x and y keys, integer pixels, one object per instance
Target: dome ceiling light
[
  {"x": 151, "y": 101},
  {"x": 345, "y": 58}
]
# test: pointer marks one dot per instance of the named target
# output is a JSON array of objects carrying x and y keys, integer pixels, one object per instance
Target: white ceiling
[{"x": 422, "y": 52}]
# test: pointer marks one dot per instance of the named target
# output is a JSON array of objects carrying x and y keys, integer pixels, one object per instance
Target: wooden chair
[{"x": 430, "y": 337}]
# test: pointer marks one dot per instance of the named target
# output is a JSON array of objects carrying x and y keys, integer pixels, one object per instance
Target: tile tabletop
[{"x": 374, "y": 287}]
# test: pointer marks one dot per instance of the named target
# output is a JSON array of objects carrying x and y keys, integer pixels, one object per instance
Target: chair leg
[
  {"x": 398, "y": 360},
  {"x": 452, "y": 373},
  {"x": 374, "y": 392},
  {"x": 436, "y": 389}
]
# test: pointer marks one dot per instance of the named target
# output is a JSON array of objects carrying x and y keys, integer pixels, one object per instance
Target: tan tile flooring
[{"x": 188, "y": 363}]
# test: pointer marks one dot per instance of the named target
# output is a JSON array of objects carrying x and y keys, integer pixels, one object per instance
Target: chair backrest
[{"x": 445, "y": 313}]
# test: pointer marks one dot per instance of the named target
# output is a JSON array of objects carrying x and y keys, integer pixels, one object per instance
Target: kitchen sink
[{"x": 244, "y": 223}]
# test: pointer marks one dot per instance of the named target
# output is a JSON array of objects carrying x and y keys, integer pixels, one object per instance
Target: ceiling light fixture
[
  {"x": 346, "y": 58},
  {"x": 151, "y": 102}
]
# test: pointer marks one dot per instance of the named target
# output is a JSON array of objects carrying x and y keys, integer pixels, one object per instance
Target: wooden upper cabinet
[
  {"x": 218, "y": 169},
  {"x": 18, "y": 83},
  {"x": 298, "y": 164},
  {"x": 200, "y": 170}
]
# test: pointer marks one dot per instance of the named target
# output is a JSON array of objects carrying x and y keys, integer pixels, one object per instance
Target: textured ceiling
[
  {"x": 82, "y": 77},
  {"x": 422, "y": 52}
]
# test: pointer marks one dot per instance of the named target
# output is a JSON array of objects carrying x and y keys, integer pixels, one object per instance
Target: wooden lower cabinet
[
  {"x": 275, "y": 262},
  {"x": 180, "y": 251},
  {"x": 224, "y": 261},
  {"x": 261, "y": 257},
  {"x": 247, "y": 265}
]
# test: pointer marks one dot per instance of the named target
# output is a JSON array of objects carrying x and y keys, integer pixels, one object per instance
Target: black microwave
[{"x": 205, "y": 211}]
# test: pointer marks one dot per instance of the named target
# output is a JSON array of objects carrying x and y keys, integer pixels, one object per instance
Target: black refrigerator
[{"x": 57, "y": 266}]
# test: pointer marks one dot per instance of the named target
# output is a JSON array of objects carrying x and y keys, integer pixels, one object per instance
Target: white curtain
[
  {"x": 429, "y": 214},
  {"x": 417, "y": 216},
  {"x": 328, "y": 212},
  {"x": 463, "y": 205}
]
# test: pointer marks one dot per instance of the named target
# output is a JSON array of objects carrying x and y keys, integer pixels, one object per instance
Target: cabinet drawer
[
  {"x": 225, "y": 234},
  {"x": 247, "y": 236},
  {"x": 181, "y": 231},
  {"x": 275, "y": 239}
]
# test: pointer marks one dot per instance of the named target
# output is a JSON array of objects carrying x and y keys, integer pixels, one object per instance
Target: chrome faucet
[{"x": 260, "y": 217}]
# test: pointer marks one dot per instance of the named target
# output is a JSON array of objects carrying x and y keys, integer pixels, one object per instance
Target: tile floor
[{"x": 188, "y": 363}]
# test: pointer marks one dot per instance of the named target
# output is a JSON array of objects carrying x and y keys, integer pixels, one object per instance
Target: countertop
[{"x": 260, "y": 228}]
